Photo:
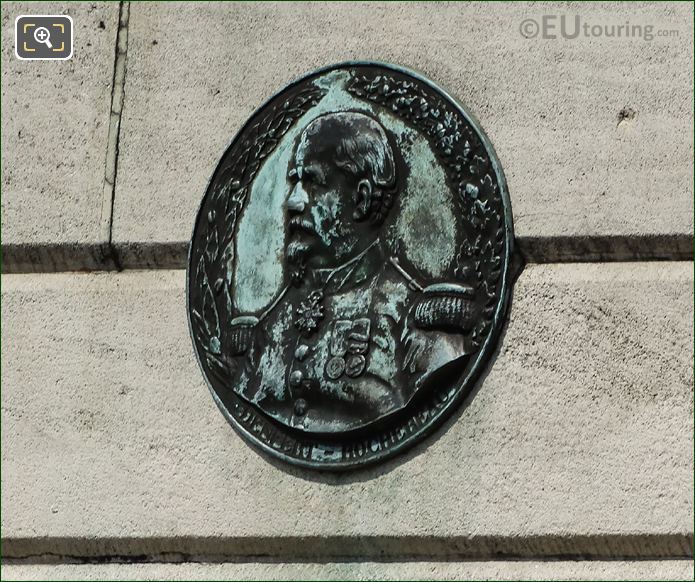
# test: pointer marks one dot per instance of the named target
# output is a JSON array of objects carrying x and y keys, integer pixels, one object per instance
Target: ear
[{"x": 362, "y": 199}]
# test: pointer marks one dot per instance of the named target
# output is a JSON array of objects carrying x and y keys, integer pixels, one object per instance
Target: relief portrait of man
[{"x": 353, "y": 335}]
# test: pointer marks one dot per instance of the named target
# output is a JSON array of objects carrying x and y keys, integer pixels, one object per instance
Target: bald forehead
[
  {"x": 320, "y": 138},
  {"x": 350, "y": 141},
  {"x": 315, "y": 152}
]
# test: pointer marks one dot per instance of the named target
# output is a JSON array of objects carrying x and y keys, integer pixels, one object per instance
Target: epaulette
[
  {"x": 241, "y": 333},
  {"x": 446, "y": 306}
]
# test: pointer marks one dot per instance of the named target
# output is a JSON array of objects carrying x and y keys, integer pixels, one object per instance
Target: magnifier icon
[{"x": 42, "y": 35}]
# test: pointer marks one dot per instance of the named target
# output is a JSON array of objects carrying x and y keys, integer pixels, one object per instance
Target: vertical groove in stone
[{"x": 111, "y": 163}]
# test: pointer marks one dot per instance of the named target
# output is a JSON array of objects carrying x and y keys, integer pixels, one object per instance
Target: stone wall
[{"x": 573, "y": 457}]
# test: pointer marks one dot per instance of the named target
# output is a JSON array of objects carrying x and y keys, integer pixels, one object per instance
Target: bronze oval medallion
[{"x": 349, "y": 270}]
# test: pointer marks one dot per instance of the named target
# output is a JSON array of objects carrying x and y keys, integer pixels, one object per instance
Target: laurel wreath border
[{"x": 471, "y": 257}]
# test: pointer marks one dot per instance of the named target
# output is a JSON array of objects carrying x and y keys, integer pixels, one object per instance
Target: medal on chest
[
  {"x": 349, "y": 344},
  {"x": 310, "y": 313}
]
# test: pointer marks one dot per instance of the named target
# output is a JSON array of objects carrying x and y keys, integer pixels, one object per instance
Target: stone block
[
  {"x": 502, "y": 570},
  {"x": 595, "y": 134},
  {"x": 577, "y": 442},
  {"x": 55, "y": 130}
]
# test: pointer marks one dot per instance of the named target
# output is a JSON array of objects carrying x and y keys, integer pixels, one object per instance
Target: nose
[{"x": 298, "y": 198}]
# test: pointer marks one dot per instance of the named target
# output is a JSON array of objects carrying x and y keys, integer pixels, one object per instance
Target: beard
[
  {"x": 295, "y": 258},
  {"x": 298, "y": 248}
]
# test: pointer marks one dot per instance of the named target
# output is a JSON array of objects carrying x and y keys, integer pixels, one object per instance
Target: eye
[
  {"x": 293, "y": 176},
  {"x": 310, "y": 177}
]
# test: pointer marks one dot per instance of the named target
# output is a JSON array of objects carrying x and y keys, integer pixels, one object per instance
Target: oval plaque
[{"x": 349, "y": 269}]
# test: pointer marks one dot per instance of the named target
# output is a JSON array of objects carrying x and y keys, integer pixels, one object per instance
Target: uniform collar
[{"x": 352, "y": 273}]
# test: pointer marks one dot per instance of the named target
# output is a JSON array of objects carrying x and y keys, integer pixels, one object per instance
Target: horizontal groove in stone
[
  {"x": 317, "y": 549},
  {"x": 174, "y": 255},
  {"x": 560, "y": 249},
  {"x": 51, "y": 258}
]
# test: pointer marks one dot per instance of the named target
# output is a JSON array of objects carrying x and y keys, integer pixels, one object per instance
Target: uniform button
[
  {"x": 296, "y": 378},
  {"x": 300, "y": 407},
  {"x": 300, "y": 352},
  {"x": 355, "y": 366}
]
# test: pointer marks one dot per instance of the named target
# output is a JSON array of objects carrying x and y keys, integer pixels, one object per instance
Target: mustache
[
  {"x": 301, "y": 224},
  {"x": 297, "y": 250}
]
